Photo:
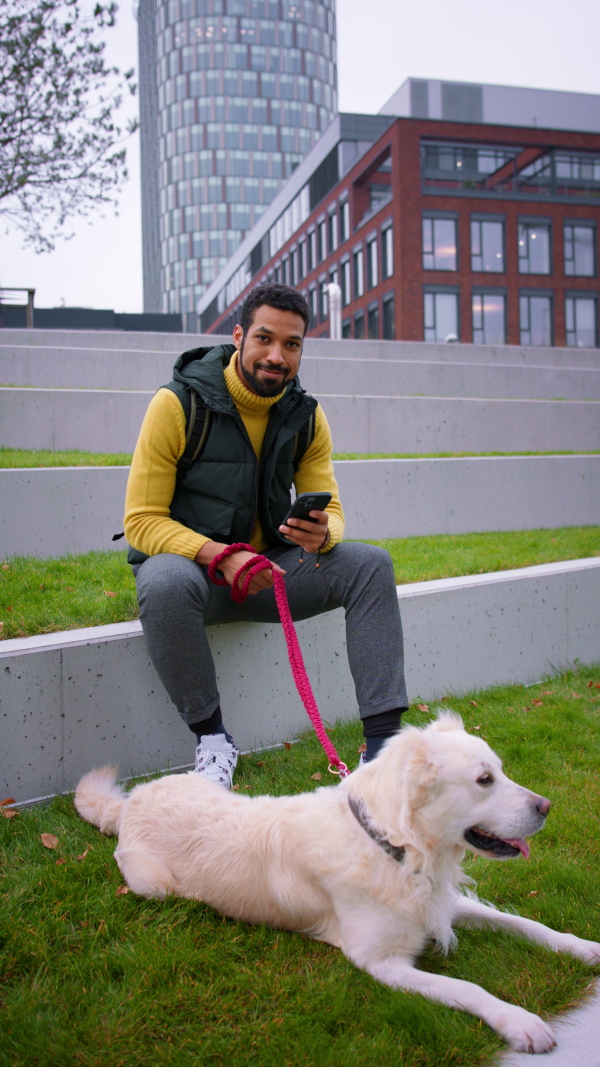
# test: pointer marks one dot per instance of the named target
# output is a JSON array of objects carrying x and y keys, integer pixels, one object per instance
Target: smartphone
[{"x": 306, "y": 502}]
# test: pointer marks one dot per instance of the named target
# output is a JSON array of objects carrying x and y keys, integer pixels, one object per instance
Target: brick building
[{"x": 437, "y": 229}]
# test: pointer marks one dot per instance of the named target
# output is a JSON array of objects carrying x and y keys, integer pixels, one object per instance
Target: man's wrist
[{"x": 326, "y": 540}]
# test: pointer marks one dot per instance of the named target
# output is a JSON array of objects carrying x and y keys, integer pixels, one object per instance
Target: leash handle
[{"x": 239, "y": 594}]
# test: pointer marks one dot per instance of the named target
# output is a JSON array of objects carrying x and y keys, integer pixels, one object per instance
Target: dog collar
[{"x": 358, "y": 809}]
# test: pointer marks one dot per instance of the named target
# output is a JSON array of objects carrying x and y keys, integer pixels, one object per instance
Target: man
[{"x": 263, "y": 433}]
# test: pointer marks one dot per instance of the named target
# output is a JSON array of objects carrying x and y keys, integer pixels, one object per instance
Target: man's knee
[
  {"x": 369, "y": 559},
  {"x": 168, "y": 579}
]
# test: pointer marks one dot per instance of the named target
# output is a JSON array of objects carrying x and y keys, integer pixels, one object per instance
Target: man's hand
[
  {"x": 231, "y": 565},
  {"x": 311, "y": 536}
]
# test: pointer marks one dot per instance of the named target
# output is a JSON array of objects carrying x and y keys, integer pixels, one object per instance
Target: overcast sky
[{"x": 546, "y": 44}]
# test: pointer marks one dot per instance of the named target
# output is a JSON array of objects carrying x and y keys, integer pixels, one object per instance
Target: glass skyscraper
[{"x": 233, "y": 95}]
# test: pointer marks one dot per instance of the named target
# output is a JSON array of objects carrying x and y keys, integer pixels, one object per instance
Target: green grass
[
  {"x": 18, "y": 457},
  {"x": 45, "y": 595},
  {"x": 91, "y": 977}
]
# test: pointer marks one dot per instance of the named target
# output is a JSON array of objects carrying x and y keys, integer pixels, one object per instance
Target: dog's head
[{"x": 447, "y": 787}]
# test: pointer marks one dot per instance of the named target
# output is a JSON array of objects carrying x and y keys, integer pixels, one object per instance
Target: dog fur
[{"x": 304, "y": 862}]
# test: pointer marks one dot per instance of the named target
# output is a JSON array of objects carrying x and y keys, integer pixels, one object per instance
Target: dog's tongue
[{"x": 519, "y": 843}]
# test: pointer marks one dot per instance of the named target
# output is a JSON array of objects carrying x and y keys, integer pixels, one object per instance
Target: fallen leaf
[
  {"x": 5, "y": 567},
  {"x": 574, "y": 694},
  {"x": 9, "y": 608},
  {"x": 108, "y": 593},
  {"x": 84, "y": 853},
  {"x": 287, "y": 745},
  {"x": 70, "y": 588},
  {"x": 477, "y": 727},
  {"x": 122, "y": 890},
  {"x": 316, "y": 777},
  {"x": 363, "y": 747},
  {"x": 474, "y": 703},
  {"x": 260, "y": 763},
  {"x": 234, "y": 787},
  {"x": 589, "y": 685},
  {"x": 423, "y": 707},
  {"x": 547, "y": 692},
  {"x": 49, "y": 840},
  {"x": 527, "y": 708},
  {"x": 60, "y": 862},
  {"x": 7, "y": 800},
  {"x": 597, "y": 685},
  {"x": 1, "y": 625},
  {"x": 534, "y": 893},
  {"x": 42, "y": 586},
  {"x": 9, "y": 813},
  {"x": 537, "y": 703}
]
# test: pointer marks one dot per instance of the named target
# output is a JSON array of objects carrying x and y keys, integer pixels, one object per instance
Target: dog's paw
[
  {"x": 588, "y": 951},
  {"x": 526, "y": 1032}
]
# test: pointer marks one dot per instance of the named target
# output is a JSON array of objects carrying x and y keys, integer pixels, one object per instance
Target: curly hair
[{"x": 277, "y": 296}]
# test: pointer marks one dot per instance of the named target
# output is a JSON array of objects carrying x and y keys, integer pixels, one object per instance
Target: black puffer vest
[{"x": 226, "y": 489}]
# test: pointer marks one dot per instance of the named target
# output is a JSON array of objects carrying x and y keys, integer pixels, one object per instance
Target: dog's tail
[{"x": 100, "y": 800}]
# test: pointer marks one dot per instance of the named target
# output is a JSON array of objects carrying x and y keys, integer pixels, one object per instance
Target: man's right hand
[{"x": 232, "y": 564}]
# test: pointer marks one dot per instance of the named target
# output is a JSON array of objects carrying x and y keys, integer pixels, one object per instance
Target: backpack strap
[
  {"x": 303, "y": 440},
  {"x": 198, "y": 420}
]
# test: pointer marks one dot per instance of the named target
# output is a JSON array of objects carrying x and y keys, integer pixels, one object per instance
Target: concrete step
[
  {"x": 88, "y": 368},
  {"x": 406, "y": 350},
  {"x": 60, "y": 510},
  {"x": 83, "y": 698},
  {"x": 109, "y": 421}
]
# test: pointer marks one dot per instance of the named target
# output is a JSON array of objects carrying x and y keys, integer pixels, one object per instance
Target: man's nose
[{"x": 275, "y": 354}]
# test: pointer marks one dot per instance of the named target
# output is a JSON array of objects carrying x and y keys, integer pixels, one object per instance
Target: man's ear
[{"x": 238, "y": 336}]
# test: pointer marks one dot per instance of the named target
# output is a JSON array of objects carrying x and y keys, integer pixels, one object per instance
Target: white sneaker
[{"x": 216, "y": 759}]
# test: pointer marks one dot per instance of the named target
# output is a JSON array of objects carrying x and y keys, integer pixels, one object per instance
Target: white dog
[{"x": 371, "y": 865}]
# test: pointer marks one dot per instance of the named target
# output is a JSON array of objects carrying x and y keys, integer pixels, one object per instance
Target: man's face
[{"x": 270, "y": 351}]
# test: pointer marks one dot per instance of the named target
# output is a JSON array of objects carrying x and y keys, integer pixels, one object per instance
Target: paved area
[{"x": 577, "y": 1036}]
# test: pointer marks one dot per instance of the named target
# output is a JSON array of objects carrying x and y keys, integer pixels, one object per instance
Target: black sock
[
  {"x": 213, "y": 725},
  {"x": 379, "y": 728}
]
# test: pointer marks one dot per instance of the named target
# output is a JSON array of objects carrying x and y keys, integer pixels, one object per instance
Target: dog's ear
[
  {"x": 420, "y": 771},
  {"x": 446, "y": 720}
]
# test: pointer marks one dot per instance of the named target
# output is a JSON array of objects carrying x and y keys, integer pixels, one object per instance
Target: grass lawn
[
  {"x": 18, "y": 457},
  {"x": 92, "y": 976},
  {"x": 45, "y": 595}
]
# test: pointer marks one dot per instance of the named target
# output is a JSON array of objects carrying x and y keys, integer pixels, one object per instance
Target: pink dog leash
[{"x": 260, "y": 563}]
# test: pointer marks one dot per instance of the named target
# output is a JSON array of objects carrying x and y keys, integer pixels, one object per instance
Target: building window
[
  {"x": 441, "y": 316},
  {"x": 324, "y": 302},
  {"x": 345, "y": 282},
  {"x": 373, "y": 322},
  {"x": 439, "y": 244},
  {"x": 312, "y": 250},
  {"x": 346, "y": 329},
  {"x": 359, "y": 273},
  {"x": 333, "y": 232},
  {"x": 387, "y": 251},
  {"x": 322, "y": 232},
  {"x": 489, "y": 318},
  {"x": 302, "y": 259},
  {"x": 582, "y": 328},
  {"x": 344, "y": 221},
  {"x": 580, "y": 241},
  {"x": 372, "y": 264},
  {"x": 534, "y": 248},
  {"x": 313, "y": 303},
  {"x": 487, "y": 245},
  {"x": 389, "y": 324},
  {"x": 294, "y": 267},
  {"x": 535, "y": 315},
  {"x": 359, "y": 325}
]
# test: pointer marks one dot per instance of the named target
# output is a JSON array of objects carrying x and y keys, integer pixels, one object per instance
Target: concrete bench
[
  {"x": 74, "y": 700},
  {"x": 57, "y": 510},
  {"x": 88, "y": 368},
  {"x": 109, "y": 421}
]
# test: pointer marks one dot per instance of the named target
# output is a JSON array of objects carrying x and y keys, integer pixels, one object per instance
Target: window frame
[
  {"x": 490, "y": 290},
  {"x": 583, "y": 294},
  {"x": 589, "y": 224},
  {"x": 533, "y": 292},
  {"x": 442, "y": 290},
  {"x": 441, "y": 216},
  {"x": 488, "y": 216},
  {"x": 539, "y": 220}
]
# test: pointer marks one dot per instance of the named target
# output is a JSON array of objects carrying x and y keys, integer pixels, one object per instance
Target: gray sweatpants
[{"x": 177, "y": 601}]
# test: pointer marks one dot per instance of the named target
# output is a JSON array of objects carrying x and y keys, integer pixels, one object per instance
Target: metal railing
[{"x": 10, "y": 301}]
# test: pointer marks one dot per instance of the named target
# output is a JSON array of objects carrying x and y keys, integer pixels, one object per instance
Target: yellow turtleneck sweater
[{"x": 151, "y": 484}]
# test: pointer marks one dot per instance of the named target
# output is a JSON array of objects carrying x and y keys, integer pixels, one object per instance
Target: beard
[{"x": 258, "y": 386}]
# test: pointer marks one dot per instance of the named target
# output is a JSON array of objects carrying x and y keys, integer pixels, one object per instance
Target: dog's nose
[{"x": 542, "y": 805}]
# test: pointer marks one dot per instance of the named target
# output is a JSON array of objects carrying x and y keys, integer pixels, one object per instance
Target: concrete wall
[
  {"x": 55, "y": 511},
  {"x": 118, "y": 368},
  {"x": 75, "y": 700},
  {"x": 109, "y": 421},
  {"x": 350, "y": 349}
]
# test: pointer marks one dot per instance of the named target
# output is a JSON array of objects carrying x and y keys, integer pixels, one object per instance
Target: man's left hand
[{"x": 311, "y": 536}]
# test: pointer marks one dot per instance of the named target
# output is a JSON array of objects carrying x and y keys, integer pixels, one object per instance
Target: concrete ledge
[
  {"x": 412, "y": 350},
  {"x": 86, "y": 368},
  {"x": 109, "y": 421},
  {"x": 57, "y": 510},
  {"x": 74, "y": 700}
]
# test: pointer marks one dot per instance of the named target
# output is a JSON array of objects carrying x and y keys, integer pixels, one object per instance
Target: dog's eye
[{"x": 485, "y": 779}]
